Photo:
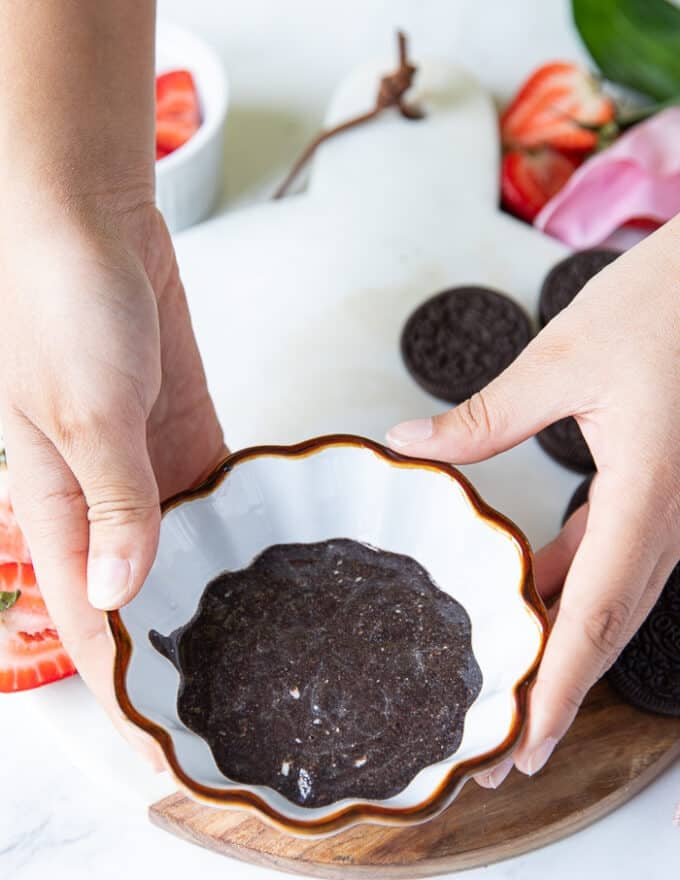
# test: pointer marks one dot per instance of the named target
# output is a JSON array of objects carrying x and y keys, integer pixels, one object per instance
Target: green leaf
[
  {"x": 8, "y": 599},
  {"x": 633, "y": 42}
]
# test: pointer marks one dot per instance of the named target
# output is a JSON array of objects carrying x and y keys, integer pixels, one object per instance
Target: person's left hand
[{"x": 611, "y": 360}]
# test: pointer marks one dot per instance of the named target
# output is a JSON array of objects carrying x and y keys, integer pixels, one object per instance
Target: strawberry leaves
[{"x": 8, "y": 599}]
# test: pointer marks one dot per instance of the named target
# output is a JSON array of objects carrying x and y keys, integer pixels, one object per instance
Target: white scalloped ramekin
[
  {"x": 189, "y": 180},
  {"x": 337, "y": 487}
]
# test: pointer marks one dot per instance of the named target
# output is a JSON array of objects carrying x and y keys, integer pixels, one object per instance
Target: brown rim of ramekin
[{"x": 358, "y": 812}]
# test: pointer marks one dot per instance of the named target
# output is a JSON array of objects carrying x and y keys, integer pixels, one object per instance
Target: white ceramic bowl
[
  {"x": 333, "y": 487},
  {"x": 189, "y": 180}
]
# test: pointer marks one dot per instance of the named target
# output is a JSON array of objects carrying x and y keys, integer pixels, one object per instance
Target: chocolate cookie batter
[{"x": 325, "y": 671}]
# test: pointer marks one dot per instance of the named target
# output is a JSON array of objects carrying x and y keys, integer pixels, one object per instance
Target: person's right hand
[{"x": 104, "y": 407}]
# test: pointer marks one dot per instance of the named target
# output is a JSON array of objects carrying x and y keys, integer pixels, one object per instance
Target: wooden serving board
[{"x": 611, "y": 752}]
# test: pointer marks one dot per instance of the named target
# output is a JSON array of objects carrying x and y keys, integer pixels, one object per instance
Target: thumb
[
  {"x": 538, "y": 388},
  {"x": 123, "y": 511}
]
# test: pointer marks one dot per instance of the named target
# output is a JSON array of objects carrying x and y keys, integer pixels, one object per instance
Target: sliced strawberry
[
  {"x": 528, "y": 180},
  {"x": 561, "y": 105},
  {"x": 178, "y": 114},
  {"x": 172, "y": 134},
  {"x": 176, "y": 92},
  {"x": 30, "y": 651},
  {"x": 13, "y": 547}
]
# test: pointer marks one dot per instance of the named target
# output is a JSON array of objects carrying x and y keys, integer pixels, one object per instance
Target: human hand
[
  {"x": 105, "y": 410},
  {"x": 611, "y": 359}
]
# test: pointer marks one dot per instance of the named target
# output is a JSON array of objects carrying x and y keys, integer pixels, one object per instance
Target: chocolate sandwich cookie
[
  {"x": 567, "y": 278},
  {"x": 459, "y": 340},
  {"x": 647, "y": 674},
  {"x": 579, "y": 498},
  {"x": 564, "y": 442}
]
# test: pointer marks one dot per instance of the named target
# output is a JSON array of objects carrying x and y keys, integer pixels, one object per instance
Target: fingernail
[
  {"x": 538, "y": 758},
  {"x": 108, "y": 581},
  {"x": 498, "y": 774},
  {"x": 406, "y": 433}
]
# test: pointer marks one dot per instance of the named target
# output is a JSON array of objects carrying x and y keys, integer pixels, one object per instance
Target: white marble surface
[
  {"x": 284, "y": 61},
  {"x": 56, "y": 822}
]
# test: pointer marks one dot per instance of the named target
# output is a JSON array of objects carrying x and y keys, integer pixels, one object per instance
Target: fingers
[
  {"x": 53, "y": 514},
  {"x": 113, "y": 469},
  {"x": 534, "y": 391},
  {"x": 610, "y": 587},
  {"x": 493, "y": 778},
  {"x": 552, "y": 562},
  {"x": 551, "y": 567}
]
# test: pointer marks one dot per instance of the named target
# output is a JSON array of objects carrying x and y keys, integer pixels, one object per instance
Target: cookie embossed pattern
[
  {"x": 459, "y": 340},
  {"x": 648, "y": 671}
]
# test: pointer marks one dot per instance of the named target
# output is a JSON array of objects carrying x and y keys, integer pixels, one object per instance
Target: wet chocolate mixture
[{"x": 325, "y": 671}]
